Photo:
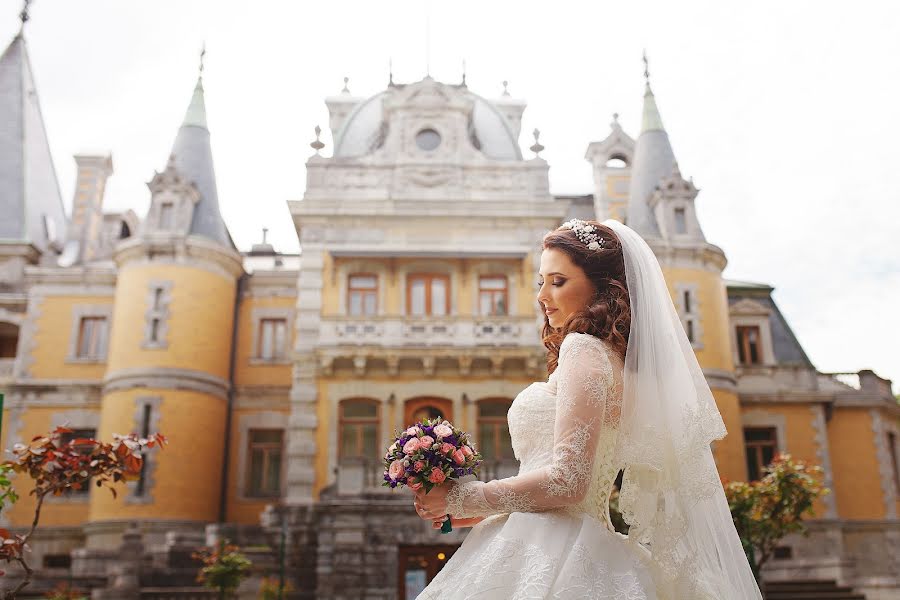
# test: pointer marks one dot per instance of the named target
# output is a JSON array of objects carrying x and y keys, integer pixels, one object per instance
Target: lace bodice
[{"x": 564, "y": 433}]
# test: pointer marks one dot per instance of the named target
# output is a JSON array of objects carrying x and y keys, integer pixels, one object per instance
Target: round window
[{"x": 428, "y": 139}]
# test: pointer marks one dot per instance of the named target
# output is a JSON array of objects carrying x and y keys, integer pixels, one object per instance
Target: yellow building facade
[{"x": 280, "y": 378}]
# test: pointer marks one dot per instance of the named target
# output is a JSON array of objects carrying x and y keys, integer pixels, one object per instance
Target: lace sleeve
[{"x": 583, "y": 407}]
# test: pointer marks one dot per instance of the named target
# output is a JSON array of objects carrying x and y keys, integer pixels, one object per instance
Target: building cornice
[
  {"x": 165, "y": 378},
  {"x": 179, "y": 249}
]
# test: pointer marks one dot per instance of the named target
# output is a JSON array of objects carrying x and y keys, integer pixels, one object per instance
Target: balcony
[
  {"x": 357, "y": 475},
  {"x": 461, "y": 332}
]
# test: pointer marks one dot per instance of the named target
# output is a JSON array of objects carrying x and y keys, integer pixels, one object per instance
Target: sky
[{"x": 784, "y": 113}]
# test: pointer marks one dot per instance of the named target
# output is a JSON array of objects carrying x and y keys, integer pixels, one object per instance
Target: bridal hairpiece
[{"x": 586, "y": 233}]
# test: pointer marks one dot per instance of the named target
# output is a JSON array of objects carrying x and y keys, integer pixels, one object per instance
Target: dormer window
[{"x": 428, "y": 140}]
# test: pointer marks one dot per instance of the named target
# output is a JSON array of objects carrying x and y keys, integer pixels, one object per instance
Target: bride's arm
[{"x": 584, "y": 407}]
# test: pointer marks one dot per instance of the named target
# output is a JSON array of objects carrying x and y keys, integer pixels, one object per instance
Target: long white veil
[{"x": 671, "y": 493}]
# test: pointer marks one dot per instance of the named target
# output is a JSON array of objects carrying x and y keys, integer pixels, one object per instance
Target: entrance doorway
[{"x": 418, "y": 566}]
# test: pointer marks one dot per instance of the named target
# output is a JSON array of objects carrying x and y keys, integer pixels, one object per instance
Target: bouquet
[{"x": 427, "y": 454}]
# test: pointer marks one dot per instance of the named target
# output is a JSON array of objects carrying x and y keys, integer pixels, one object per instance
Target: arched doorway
[{"x": 426, "y": 407}]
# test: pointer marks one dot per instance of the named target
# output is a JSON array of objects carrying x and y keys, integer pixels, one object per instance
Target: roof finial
[
  {"x": 317, "y": 144},
  {"x": 646, "y": 69},
  {"x": 346, "y": 90},
  {"x": 464, "y": 73},
  {"x": 390, "y": 71},
  {"x": 505, "y": 90},
  {"x": 23, "y": 16},
  {"x": 537, "y": 147},
  {"x": 428, "y": 39},
  {"x": 265, "y": 231},
  {"x": 615, "y": 123},
  {"x": 202, "y": 55}
]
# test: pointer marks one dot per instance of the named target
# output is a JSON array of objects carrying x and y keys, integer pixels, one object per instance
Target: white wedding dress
[{"x": 547, "y": 531}]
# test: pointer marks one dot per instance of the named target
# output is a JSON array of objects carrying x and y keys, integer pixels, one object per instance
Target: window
[
  {"x": 158, "y": 298},
  {"x": 761, "y": 446},
  {"x": 140, "y": 487},
  {"x": 9, "y": 339},
  {"x": 91, "y": 338},
  {"x": 78, "y": 434},
  {"x": 154, "y": 330},
  {"x": 892, "y": 448},
  {"x": 689, "y": 326},
  {"x": 166, "y": 215},
  {"x": 362, "y": 295},
  {"x": 359, "y": 429},
  {"x": 680, "y": 221},
  {"x": 265, "y": 453},
  {"x": 492, "y": 295},
  {"x": 494, "y": 441},
  {"x": 272, "y": 338},
  {"x": 687, "y": 302},
  {"x": 428, "y": 295},
  {"x": 748, "y": 345}
]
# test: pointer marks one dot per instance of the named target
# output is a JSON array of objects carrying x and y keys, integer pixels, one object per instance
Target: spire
[
  {"x": 193, "y": 159},
  {"x": 30, "y": 201},
  {"x": 653, "y": 160}
]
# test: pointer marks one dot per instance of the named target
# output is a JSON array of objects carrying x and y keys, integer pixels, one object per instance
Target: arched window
[
  {"x": 616, "y": 161},
  {"x": 494, "y": 442},
  {"x": 358, "y": 429},
  {"x": 124, "y": 231},
  {"x": 419, "y": 409}
]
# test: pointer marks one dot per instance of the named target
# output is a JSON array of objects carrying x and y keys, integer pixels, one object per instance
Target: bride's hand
[
  {"x": 457, "y": 523},
  {"x": 433, "y": 505}
]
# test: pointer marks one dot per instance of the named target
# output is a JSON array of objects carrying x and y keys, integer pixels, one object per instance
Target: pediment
[{"x": 748, "y": 307}]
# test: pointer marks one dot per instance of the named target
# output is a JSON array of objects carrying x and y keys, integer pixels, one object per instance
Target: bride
[{"x": 625, "y": 392}]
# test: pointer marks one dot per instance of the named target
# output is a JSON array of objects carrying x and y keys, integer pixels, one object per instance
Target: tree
[
  {"x": 58, "y": 467},
  {"x": 767, "y": 510},
  {"x": 223, "y": 568}
]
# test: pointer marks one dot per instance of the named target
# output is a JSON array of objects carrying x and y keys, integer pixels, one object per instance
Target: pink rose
[
  {"x": 442, "y": 431},
  {"x": 413, "y": 485},
  {"x": 437, "y": 476},
  {"x": 425, "y": 442},
  {"x": 396, "y": 470},
  {"x": 467, "y": 451},
  {"x": 447, "y": 448},
  {"x": 459, "y": 457},
  {"x": 411, "y": 446},
  {"x": 412, "y": 431},
  {"x": 420, "y": 465}
]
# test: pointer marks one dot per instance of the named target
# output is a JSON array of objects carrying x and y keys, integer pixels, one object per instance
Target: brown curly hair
[{"x": 608, "y": 317}]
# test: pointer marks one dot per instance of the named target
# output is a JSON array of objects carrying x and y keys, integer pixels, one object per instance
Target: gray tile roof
[
  {"x": 653, "y": 160},
  {"x": 193, "y": 159},
  {"x": 30, "y": 201}
]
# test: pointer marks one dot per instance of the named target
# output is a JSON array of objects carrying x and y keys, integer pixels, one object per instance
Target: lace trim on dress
[{"x": 588, "y": 406}]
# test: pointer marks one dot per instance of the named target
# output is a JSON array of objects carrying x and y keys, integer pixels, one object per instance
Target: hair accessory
[{"x": 586, "y": 233}]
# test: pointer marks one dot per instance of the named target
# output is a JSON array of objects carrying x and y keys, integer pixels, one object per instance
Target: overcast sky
[{"x": 784, "y": 113}]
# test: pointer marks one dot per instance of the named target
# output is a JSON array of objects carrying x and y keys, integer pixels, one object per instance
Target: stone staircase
[{"x": 809, "y": 589}]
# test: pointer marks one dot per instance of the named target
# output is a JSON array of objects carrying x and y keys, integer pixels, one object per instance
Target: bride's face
[{"x": 564, "y": 287}]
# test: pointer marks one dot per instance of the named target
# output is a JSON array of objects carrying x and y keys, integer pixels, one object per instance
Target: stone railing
[
  {"x": 358, "y": 475},
  {"x": 433, "y": 331}
]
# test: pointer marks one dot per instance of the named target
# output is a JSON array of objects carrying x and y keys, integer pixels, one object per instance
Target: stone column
[{"x": 302, "y": 423}]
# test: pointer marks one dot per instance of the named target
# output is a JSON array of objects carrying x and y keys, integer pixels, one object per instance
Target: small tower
[
  {"x": 611, "y": 161},
  {"x": 169, "y": 358},
  {"x": 661, "y": 210}
]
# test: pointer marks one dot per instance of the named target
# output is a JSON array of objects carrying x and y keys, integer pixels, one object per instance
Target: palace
[{"x": 279, "y": 378}]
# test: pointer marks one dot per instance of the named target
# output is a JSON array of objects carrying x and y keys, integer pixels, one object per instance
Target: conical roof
[
  {"x": 30, "y": 201},
  {"x": 193, "y": 159},
  {"x": 653, "y": 160}
]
